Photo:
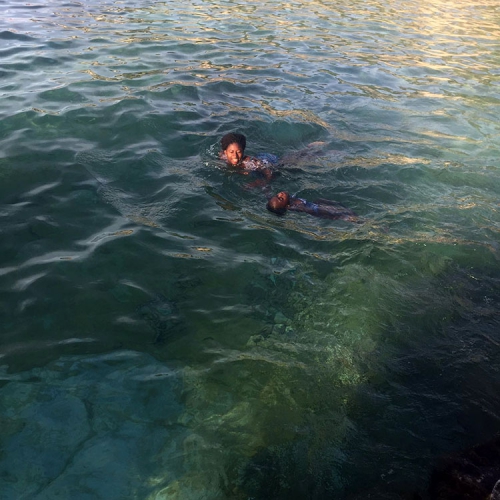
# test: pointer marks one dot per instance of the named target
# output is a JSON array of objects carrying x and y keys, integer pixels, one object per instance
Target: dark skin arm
[{"x": 262, "y": 170}]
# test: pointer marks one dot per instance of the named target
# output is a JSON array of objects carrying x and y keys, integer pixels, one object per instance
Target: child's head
[
  {"x": 233, "y": 138},
  {"x": 233, "y": 146},
  {"x": 279, "y": 203}
]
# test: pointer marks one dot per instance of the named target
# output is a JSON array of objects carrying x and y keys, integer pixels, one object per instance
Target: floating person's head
[
  {"x": 279, "y": 203},
  {"x": 233, "y": 146}
]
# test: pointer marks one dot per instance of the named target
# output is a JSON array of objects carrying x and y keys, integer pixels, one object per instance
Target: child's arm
[
  {"x": 268, "y": 175},
  {"x": 255, "y": 165}
]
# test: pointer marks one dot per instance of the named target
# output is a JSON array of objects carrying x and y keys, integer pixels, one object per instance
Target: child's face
[
  {"x": 234, "y": 153},
  {"x": 282, "y": 199}
]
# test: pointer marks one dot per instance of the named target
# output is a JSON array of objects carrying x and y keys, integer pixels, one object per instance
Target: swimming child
[
  {"x": 326, "y": 209},
  {"x": 233, "y": 152}
]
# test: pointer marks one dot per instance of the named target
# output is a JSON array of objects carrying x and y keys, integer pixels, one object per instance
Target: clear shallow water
[{"x": 165, "y": 336}]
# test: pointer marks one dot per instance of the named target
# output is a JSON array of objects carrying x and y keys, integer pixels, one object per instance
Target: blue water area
[{"x": 163, "y": 335}]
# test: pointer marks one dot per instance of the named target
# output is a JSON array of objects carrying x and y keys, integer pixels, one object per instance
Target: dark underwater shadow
[{"x": 423, "y": 420}]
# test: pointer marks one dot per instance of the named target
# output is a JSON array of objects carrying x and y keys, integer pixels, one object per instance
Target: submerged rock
[{"x": 96, "y": 427}]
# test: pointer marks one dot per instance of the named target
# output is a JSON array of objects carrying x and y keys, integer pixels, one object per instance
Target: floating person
[
  {"x": 327, "y": 209},
  {"x": 233, "y": 152}
]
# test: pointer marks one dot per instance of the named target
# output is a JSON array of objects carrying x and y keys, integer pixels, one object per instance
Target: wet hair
[
  {"x": 273, "y": 205},
  {"x": 232, "y": 138}
]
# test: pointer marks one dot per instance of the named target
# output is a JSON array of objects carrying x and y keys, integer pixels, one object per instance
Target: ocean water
[{"x": 164, "y": 336}]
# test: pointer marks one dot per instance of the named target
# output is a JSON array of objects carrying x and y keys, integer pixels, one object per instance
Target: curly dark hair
[{"x": 232, "y": 138}]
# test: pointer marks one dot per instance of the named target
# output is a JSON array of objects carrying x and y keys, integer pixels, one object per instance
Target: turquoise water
[{"x": 163, "y": 336}]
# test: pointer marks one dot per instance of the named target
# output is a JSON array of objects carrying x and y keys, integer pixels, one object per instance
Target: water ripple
[{"x": 122, "y": 228}]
